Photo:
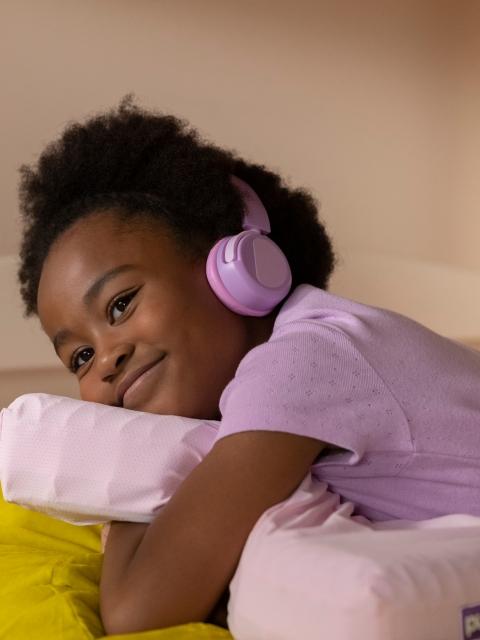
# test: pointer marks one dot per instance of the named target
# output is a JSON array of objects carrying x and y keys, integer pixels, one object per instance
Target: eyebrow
[{"x": 92, "y": 293}]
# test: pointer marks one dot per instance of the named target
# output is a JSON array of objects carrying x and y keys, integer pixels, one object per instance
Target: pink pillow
[
  {"x": 310, "y": 569},
  {"x": 89, "y": 463}
]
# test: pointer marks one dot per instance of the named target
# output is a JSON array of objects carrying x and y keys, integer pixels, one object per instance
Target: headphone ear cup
[{"x": 249, "y": 273}]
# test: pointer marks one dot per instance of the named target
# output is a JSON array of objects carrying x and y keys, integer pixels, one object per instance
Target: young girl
[{"x": 121, "y": 215}]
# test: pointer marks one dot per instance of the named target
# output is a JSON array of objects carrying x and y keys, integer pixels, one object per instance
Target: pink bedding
[{"x": 309, "y": 569}]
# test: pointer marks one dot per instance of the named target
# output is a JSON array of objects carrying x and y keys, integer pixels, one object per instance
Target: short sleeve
[{"x": 311, "y": 380}]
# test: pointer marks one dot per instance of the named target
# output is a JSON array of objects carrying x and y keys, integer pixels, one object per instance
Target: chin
[{"x": 174, "y": 400}]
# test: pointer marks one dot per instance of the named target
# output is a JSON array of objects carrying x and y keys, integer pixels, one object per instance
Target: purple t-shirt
[{"x": 402, "y": 402}]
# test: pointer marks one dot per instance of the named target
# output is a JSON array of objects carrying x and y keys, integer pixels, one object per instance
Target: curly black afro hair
[{"x": 145, "y": 163}]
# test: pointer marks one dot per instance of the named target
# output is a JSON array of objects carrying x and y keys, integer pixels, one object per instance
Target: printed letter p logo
[{"x": 471, "y": 622}]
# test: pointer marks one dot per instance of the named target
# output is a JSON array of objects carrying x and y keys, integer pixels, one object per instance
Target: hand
[
  {"x": 104, "y": 535},
  {"x": 219, "y": 614}
]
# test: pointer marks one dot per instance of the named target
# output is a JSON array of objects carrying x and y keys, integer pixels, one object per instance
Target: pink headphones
[{"x": 248, "y": 272}]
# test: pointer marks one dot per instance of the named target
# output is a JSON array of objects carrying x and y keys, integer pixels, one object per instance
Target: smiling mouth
[{"x": 138, "y": 379}]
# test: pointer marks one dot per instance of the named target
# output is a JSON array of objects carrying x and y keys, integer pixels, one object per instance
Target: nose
[{"x": 110, "y": 361}]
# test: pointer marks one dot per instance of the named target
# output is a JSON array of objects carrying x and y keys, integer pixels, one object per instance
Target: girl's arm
[
  {"x": 175, "y": 570},
  {"x": 218, "y": 615}
]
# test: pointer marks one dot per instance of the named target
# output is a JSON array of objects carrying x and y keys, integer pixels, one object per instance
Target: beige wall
[
  {"x": 463, "y": 230},
  {"x": 372, "y": 105},
  {"x": 40, "y": 380}
]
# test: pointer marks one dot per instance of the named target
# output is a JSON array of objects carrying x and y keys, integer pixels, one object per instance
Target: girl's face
[{"x": 137, "y": 322}]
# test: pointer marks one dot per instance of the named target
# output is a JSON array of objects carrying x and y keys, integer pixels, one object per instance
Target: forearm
[
  {"x": 178, "y": 570},
  {"x": 120, "y": 540},
  {"x": 123, "y": 544},
  {"x": 148, "y": 583},
  {"x": 219, "y": 614}
]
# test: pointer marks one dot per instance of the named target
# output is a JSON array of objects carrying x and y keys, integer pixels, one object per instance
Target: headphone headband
[{"x": 255, "y": 215}]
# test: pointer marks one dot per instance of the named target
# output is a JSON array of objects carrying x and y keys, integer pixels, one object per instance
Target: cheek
[
  {"x": 202, "y": 336},
  {"x": 222, "y": 343},
  {"x": 90, "y": 392}
]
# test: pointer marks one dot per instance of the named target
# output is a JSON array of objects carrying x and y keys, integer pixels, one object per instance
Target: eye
[
  {"x": 119, "y": 305},
  {"x": 80, "y": 357}
]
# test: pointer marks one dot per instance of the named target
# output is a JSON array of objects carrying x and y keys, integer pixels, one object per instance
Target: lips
[{"x": 130, "y": 378}]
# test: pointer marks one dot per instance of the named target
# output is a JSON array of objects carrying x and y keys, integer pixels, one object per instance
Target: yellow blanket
[{"x": 50, "y": 572}]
